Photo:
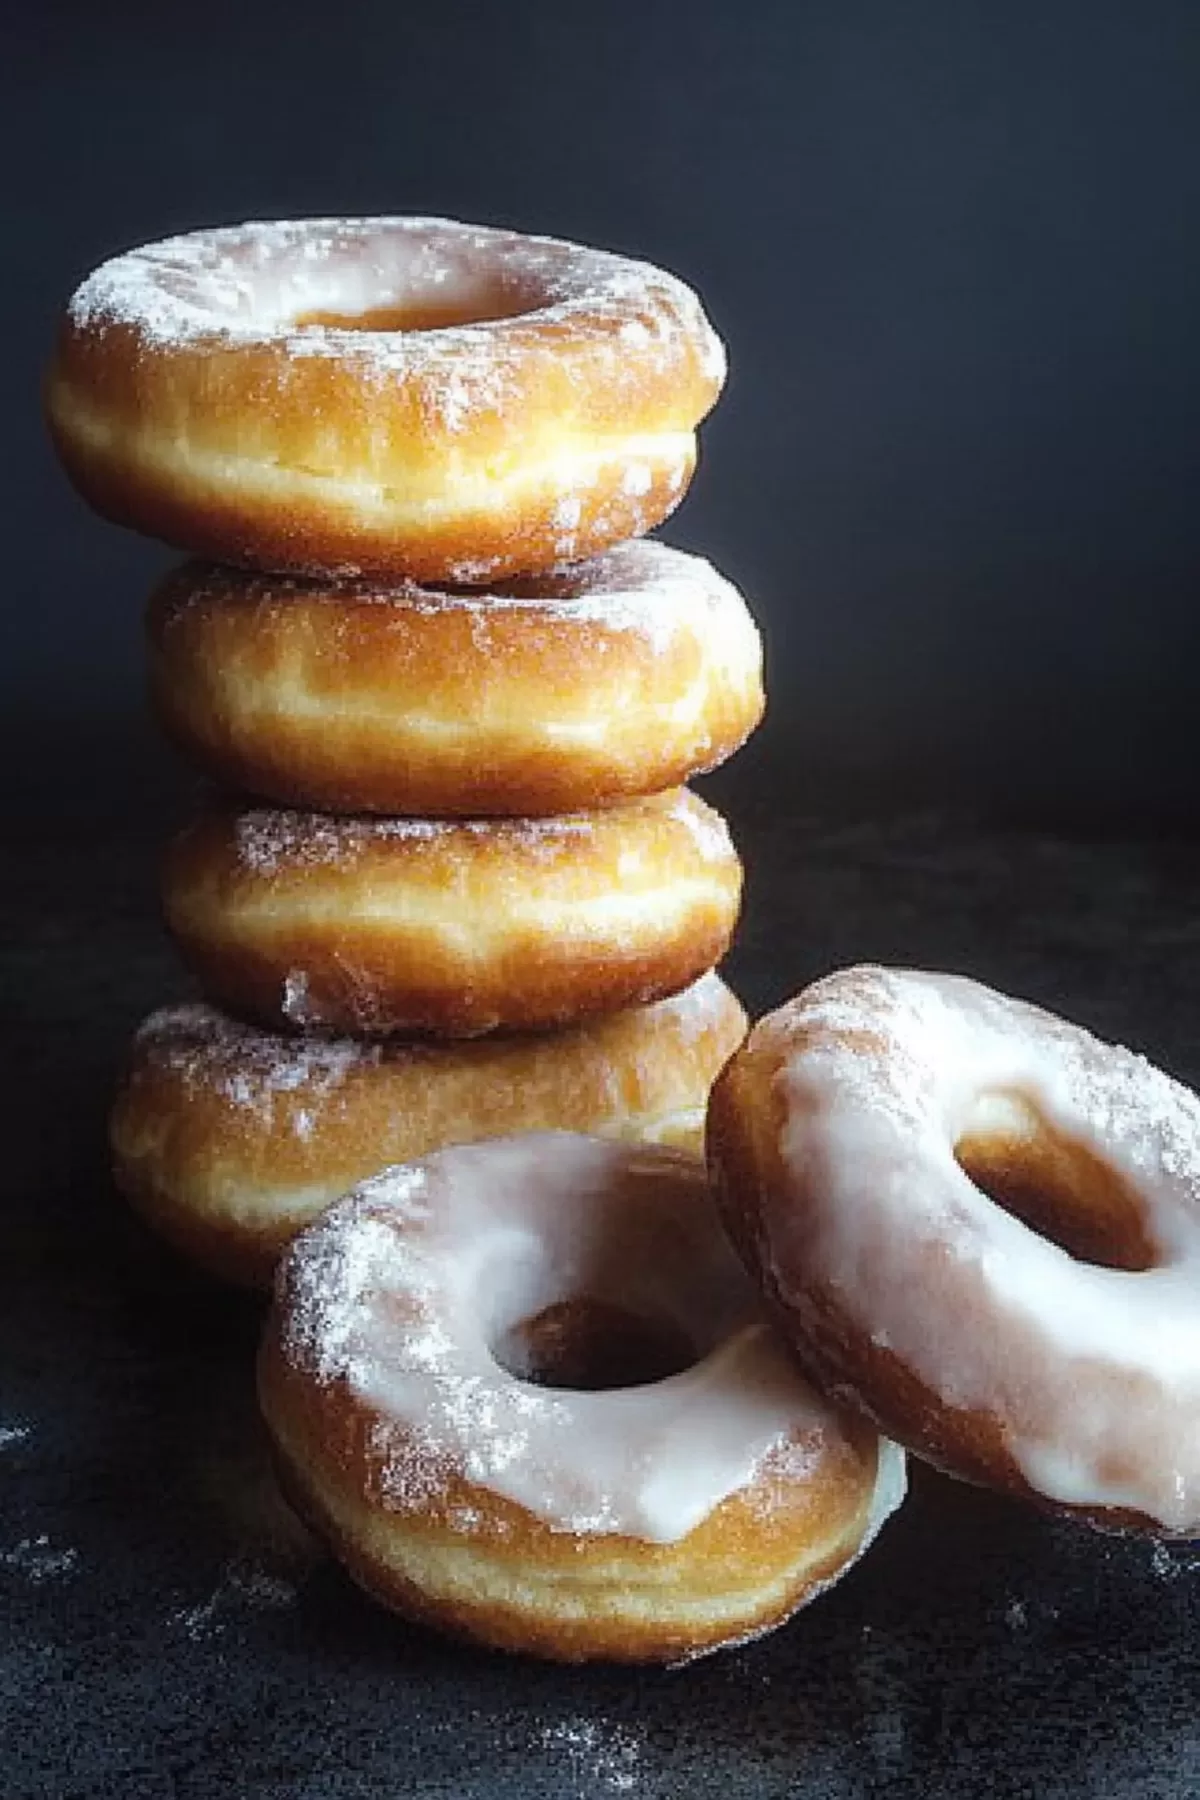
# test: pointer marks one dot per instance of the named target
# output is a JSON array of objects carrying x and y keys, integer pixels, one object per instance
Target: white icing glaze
[
  {"x": 402, "y": 1289},
  {"x": 248, "y": 283},
  {"x": 1093, "y": 1373},
  {"x": 643, "y": 586}
]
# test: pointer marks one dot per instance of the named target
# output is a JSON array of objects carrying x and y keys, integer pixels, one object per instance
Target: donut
[
  {"x": 374, "y": 925},
  {"x": 979, "y": 1224},
  {"x": 619, "y": 676},
  {"x": 393, "y": 397},
  {"x": 228, "y": 1140},
  {"x": 527, "y": 1395}
]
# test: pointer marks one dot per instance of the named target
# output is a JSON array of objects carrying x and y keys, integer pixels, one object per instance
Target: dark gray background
[{"x": 954, "y": 250}]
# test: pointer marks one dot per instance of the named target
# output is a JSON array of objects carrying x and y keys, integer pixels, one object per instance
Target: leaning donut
[
  {"x": 229, "y": 1140},
  {"x": 982, "y": 1225},
  {"x": 392, "y": 396},
  {"x": 379, "y": 924},
  {"x": 525, "y": 1392},
  {"x": 619, "y": 676}
]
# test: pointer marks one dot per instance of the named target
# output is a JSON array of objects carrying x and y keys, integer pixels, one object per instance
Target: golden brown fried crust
[
  {"x": 229, "y": 1141},
  {"x": 516, "y": 925},
  {"x": 247, "y": 453},
  {"x": 291, "y": 534},
  {"x": 745, "y": 1131},
  {"x": 510, "y": 1581},
  {"x": 349, "y": 700}
]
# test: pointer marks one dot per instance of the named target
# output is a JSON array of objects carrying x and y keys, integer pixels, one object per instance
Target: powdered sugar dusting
[
  {"x": 707, "y": 829},
  {"x": 36, "y": 1560},
  {"x": 244, "y": 1586},
  {"x": 247, "y": 1067},
  {"x": 698, "y": 1009},
  {"x": 287, "y": 1081},
  {"x": 335, "y": 1273},
  {"x": 643, "y": 586},
  {"x": 294, "y": 1002},
  {"x": 598, "y": 1753},
  {"x": 243, "y": 284},
  {"x": 1172, "y": 1563},
  {"x": 268, "y": 840}
]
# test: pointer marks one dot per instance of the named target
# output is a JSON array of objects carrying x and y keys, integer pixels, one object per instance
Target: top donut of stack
[{"x": 395, "y": 398}]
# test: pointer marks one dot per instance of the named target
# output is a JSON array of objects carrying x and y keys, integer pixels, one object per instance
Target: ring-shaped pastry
[
  {"x": 526, "y": 1393},
  {"x": 980, "y": 1224},
  {"x": 391, "y": 396},
  {"x": 377, "y": 925},
  {"x": 229, "y": 1140},
  {"x": 623, "y": 675}
]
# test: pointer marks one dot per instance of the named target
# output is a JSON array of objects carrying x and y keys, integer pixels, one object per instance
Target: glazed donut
[
  {"x": 620, "y": 676},
  {"x": 526, "y": 1393},
  {"x": 374, "y": 925},
  {"x": 980, "y": 1224},
  {"x": 395, "y": 397},
  {"x": 228, "y": 1140}
]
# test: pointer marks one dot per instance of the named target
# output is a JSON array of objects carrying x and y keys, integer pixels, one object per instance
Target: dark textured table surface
[{"x": 165, "y": 1630}]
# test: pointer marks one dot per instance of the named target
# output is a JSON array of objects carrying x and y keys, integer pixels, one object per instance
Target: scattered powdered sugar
[
  {"x": 243, "y": 284},
  {"x": 598, "y": 1753},
  {"x": 248, "y": 1067},
  {"x": 294, "y": 1003},
  {"x": 36, "y": 1560},
  {"x": 785, "y": 1465},
  {"x": 244, "y": 1586},
  {"x": 269, "y": 840},
  {"x": 341, "y": 1264},
  {"x": 13, "y": 1434},
  {"x": 709, "y": 832},
  {"x": 1173, "y": 1562},
  {"x": 644, "y": 586},
  {"x": 698, "y": 1009}
]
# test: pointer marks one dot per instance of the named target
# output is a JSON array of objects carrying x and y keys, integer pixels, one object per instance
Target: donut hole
[
  {"x": 1055, "y": 1185},
  {"x": 437, "y": 312},
  {"x": 590, "y": 1345}
]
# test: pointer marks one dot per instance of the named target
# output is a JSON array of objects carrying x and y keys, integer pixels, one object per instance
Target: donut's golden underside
[
  {"x": 746, "y": 1128},
  {"x": 474, "y": 1564},
  {"x": 458, "y": 933},
  {"x": 335, "y": 700},
  {"x": 248, "y": 453},
  {"x": 231, "y": 1183}
]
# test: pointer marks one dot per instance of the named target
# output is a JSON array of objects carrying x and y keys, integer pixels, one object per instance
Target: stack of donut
[
  {"x": 453, "y": 909},
  {"x": 536, "y": 1387},
  {"x": 449, "y": 883}
]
